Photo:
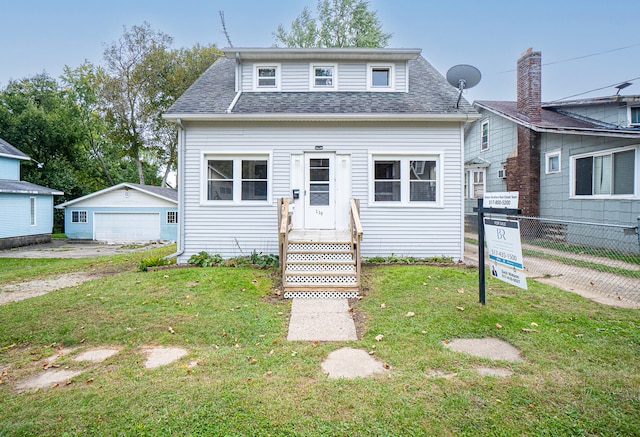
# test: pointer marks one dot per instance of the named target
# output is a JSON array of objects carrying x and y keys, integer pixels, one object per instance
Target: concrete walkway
[{"x": 321, "y": 320}]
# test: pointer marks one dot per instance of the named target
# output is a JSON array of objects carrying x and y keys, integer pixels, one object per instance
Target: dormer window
[
  {"x": 323, "y": 76},
  {"x": 268, "y": 77},
  {"x": 380, "y": 78}
]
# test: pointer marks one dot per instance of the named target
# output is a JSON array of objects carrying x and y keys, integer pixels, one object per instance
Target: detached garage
[{"x": 124, "y": 213}]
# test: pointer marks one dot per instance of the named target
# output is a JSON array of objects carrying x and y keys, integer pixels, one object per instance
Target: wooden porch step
[
  {"x": 321, "y": 287},
  {"x": 319, "y": 262}
]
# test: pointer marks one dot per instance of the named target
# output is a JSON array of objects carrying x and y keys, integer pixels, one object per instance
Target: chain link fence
[{"x": 596, "y": 257}]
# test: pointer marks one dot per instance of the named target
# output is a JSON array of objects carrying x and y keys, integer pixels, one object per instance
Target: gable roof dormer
[{"x": 324, "y": 83}]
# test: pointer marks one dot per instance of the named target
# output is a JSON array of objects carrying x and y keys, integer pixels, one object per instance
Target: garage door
[{"x": 126, "y": 227}]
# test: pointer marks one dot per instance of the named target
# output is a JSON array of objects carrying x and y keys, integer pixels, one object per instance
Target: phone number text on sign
[{"x": 503, "y": 242}]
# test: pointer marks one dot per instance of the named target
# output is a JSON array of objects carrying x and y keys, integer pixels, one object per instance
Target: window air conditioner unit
[{"x": 502, "y": 174}]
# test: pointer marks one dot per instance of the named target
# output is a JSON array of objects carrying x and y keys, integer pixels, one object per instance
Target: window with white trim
[
  {"x": 323, "y": 76},
  {"x": 32, "y": 207},
  {"x": 634, "y": 114},
  {"x": 405, "y": 180},
  {"x": 484, "y": 140},
  {"x": 267, "y": 77},
  {"x": 604, "y": 174},
  {"x": 552, "y": 162},
  {"x": 474, "y": 183},
  {"x": 172, "y": 217},
  {"x": 380, "y": 77},
  {"x": 78, "y": 216},
  {"x": 237, "y": 179}
]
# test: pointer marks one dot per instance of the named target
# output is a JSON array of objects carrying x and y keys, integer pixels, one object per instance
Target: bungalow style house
[
  {"x": 123, "y": 213},
  {"x": 322, "y": 156},
  {"x": 26, "y": 209},
  {"x": 569, "y": 160}
]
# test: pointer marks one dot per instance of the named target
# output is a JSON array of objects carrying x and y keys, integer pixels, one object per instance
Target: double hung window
[
  {"x": 267, "y": 77},
  {"x": 237, "y": 179},
  {"x": 484, "y": 142},
  {"x": 323, "y": 76},
  {"x": 78, "y": 216},
  {"x": 405, "y": 180},
  {"x": 604, "y": 174}
]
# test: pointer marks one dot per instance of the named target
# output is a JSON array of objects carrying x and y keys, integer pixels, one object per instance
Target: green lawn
[{"x": 580, "y": 374}]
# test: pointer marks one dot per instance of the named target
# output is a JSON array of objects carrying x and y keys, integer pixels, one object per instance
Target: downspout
[
  {"x": 181, "y": 181},
  {"x": 238, "y": 84}
]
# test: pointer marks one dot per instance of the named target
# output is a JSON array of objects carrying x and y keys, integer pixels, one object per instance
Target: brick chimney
[
  {"x": 529, "y": 85},
  {"x": 523, "y": 166}
]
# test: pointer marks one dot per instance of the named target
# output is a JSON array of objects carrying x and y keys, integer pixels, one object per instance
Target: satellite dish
[{"x": 463, "y": 77}]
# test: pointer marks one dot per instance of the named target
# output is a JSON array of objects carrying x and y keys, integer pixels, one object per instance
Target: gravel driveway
[{"x": 66, "y": 248}]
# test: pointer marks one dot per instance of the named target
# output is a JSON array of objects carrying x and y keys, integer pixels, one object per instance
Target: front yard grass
[{"x": 580, "y": 374}]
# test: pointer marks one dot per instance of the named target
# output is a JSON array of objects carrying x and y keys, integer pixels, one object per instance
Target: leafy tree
[
  {"x": 173, "y": 72},
  {"x": 125, "y": 89},
  {"x": 340, "y": 23}
]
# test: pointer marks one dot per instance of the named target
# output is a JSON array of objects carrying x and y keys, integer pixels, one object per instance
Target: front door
[{"x": 320, "y": 198}]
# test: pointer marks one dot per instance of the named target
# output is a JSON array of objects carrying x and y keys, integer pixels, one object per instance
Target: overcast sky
[{"x": 46, "y": 35}]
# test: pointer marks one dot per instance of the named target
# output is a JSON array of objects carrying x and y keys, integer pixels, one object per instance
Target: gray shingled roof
[
  {"x": 167, "y": 192},
  {"x": 8, "y": 149},
  {"x": 213, "y": 92},
  {"x": 550, "y": 119},
  {"x": 164, "y": 192},
  {"x": 22, "y": 187}
]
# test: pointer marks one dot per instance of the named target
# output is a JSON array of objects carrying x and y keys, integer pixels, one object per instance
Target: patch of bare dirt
[{"x": 38, "y": 287}]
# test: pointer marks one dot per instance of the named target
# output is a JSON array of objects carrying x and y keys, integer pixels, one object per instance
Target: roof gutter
[{"x": 457, "y": 117}]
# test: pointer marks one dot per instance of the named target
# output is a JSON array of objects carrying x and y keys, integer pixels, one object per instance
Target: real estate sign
[
  {"x": 505, "y": 251},
  {"x": 506, "y": 199}
]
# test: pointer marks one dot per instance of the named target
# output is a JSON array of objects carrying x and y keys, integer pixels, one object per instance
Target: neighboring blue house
[
  {"x": 26, "y": 209},
  {"x": 573, "y": 160},
  {"x": 124, "y": 213}
]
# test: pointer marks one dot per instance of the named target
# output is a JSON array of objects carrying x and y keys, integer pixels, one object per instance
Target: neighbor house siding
[
  {"x": 15, "y": 215},
  {"x": 240, "y": 229},
  {"x": 608, "y": 113},
  {"x": 9, "y": 168},
  {"x": 555, "y": 201},
  {"x": 503, "y": 140}
]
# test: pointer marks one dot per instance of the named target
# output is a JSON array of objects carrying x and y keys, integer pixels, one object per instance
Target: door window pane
[
  {"x": 318, "y": 177},
  {"x": 319, "y": 195}
]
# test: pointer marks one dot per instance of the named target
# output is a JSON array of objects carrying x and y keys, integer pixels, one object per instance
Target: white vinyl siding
[
  {"x": 241, "y": 228},
  {"x": 298, "y": 76}
]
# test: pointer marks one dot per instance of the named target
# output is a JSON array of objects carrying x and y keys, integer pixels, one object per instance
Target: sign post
[{"x": 502, "y": 203}]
